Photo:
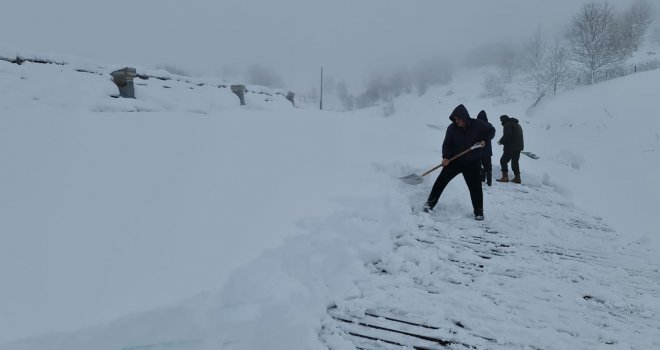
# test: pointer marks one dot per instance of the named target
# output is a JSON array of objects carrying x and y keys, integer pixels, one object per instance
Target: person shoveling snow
[{"x": 462, "y": 137}]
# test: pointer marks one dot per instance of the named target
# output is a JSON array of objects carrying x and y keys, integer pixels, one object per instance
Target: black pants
[
  {"x": 513, "y": 157},
  {"x": 486, "y": 169},
  {"x": 471, "y": 175}
]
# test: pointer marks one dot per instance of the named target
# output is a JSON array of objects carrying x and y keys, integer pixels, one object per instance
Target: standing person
[
  {"x": 512, "y": 140},
  {"x": 486, "y": 154},
  {"x": 461, "y": 134}
]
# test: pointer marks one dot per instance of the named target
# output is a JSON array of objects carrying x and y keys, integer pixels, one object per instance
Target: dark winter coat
[
  {"x": 459, "y": 139},
  {"x": 512, "y": 138},
  {"x": 488, "y": 149}
]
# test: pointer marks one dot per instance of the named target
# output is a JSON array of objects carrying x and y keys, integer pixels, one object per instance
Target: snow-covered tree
[
  {"x": 494, "y": 86},
  {"x": 556, "y": 66},
  {"x": 535, "y": 60},
  {"x": 547, "y": 65},
  {"x": 635, "y": 23},
  {"x": 594, "y": 38}
]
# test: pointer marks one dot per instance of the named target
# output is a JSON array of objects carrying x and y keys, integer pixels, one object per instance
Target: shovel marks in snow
[
  {"x": 373, "y": 329},
  {"x": 545, "y": 282},
  {"x": 423, "y": 262}
]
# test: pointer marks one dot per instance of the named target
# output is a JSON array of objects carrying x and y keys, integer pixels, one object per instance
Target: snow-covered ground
[{"x": 278, "y": 224}]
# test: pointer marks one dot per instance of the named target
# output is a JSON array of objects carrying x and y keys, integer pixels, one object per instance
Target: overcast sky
[{"x": 351, "y": 38}]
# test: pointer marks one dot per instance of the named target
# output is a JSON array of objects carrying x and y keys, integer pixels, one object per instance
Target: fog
[
  {"x": 294, "y": 38},
  {"x": 353, "y": 40}
]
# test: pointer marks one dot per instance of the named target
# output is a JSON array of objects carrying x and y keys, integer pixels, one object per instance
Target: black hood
[
  {"x": 459, "y": 112},
  {"x": 506, "y": 119},
  {"x": 482, "y": 116}
]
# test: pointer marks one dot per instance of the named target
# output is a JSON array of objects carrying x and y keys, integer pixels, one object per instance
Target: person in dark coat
[
  {"x": 512, "y": 140},
  {"x": 486, "y": 154},
  {"x": 461, "y": 134}
]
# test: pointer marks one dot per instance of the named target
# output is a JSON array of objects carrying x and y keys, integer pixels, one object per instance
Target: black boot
[
  {"x": 489, "y": 178},
  {"x": 427, "y": 208}
]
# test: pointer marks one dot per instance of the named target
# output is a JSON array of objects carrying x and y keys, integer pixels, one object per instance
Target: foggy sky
[{"x": 350, "y": 38}]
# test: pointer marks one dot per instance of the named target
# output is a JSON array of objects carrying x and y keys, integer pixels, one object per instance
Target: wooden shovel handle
[{"x": 451, "y": 159}]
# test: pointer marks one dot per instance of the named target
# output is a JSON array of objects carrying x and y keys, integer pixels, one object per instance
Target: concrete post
[
  {"x": 123, "y": 78},
  {"x": 239, "y": 90}
]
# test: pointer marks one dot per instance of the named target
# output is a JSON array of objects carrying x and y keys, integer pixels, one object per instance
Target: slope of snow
[
  {"x": 606, "y": 141},
  {"x": 292, "y": 219}
]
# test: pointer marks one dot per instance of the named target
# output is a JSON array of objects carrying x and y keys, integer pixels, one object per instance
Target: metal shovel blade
[
  {"x": 412, "y": 179},
  {"x": 530, "y": 154}
]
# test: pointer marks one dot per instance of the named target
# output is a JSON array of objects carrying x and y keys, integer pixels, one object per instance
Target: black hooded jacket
[
  {"x": 488, "y": 149},
  {"x": 459, "y": 139},
  {"x": 512, "y": 138}
]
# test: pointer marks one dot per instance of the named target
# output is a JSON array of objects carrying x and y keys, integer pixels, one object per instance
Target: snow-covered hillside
[{"x": 291, "y": 221}]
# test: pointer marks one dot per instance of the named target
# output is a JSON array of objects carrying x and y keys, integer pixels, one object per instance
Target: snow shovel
[
  {"x": 414, "y": 179},
  {"x": 530, "y": 154}
]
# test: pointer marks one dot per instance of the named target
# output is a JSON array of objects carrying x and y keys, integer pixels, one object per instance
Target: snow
[
  {"x": 251, "y": 227},
  {"x": 612, "y": 147}
]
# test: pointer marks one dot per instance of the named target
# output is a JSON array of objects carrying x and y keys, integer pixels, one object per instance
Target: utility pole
[{"x": 321, "y": 103}]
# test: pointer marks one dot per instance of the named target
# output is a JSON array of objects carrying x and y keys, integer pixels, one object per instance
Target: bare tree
[
  {"x": 556, "y": 67},
  {"x": 635, "y": 22},
  {"x": 594, "y": 38},
  {"x": 346, "y": 99},
  {"x": 534, "y": 58},
  {"x": 509, "y": 63},
  {"x": 494, "y": 86}
]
